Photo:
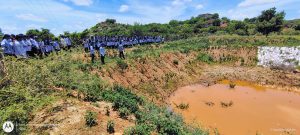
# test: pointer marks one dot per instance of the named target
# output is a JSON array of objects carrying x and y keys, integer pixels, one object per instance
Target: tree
[
  {"x": 225, "y": 19},
  {"x": 45, "y": 33},
  {"x": 33, "y": 32},
  {"x": 110, "y": 21},
  {"x": 174, "y": 23},
  {"x": 270, "y": 21},
  {"x": 215, "y": 16},
  {"x": 238, "y": 27}
]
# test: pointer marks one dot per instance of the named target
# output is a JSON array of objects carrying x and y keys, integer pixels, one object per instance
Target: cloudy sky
[{"x": 17, "y": 16}]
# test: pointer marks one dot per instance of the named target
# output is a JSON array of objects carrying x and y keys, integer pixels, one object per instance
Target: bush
[
  {"x": 169, "y": 126},
  {"x": 122, "y": 98},
  {"x": 90, "y": 118},
  {"x": 124, "y": 112},
  {"x": 110, "y": 126},
  {"x": 205, "y": 58},
  {"x": 141, "y": 129}
]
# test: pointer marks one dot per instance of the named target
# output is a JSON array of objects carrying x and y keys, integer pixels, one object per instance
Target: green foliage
[
  {"x": 205, "y": 58},
  {"x": 90, "y": 118},
  {"x": 238, "y": 27},
  {"x": 124, "y": 112},
  {"x": 41, "y": 34},
  {"x": 141, "y": 129},
  {"x": 270, "y": 21},
  {"x": 122, "y": 99},
  {"x": 110, "y": 126},
  {"x": 110, "y": 21}
]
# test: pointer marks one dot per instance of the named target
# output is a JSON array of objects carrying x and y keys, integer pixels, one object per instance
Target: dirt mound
[{"x": 67, "y": 117}]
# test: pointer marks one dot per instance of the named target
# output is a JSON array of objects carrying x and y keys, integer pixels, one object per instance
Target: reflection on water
[{"x": 245, "y": 110}]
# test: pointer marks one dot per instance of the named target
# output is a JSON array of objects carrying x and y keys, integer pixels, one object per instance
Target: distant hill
[{"x": 204, "y": 23}]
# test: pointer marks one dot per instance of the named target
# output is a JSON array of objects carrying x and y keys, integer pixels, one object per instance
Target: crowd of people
[
  {"x": 98, "y": 43},
  {"x": 22, "y": 46}
]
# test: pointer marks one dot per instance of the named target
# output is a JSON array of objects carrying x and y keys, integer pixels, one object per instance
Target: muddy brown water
[{"x": 245, "y": 110}]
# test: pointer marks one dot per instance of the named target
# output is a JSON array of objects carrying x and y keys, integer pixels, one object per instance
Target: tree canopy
[{"x": 270, "y": 21}]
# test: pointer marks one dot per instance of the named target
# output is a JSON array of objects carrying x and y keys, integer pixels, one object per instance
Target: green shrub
[
  {"x": 110, "y": 126},
  {"x": 205, "y": 58},
  {"x": 90, "y": 118},
  {"x": 169, "y": 126},
  {"x": 141, "y": 129},
  {"x": 123, "y": 100},
  {"x": 124, "y": 112}
]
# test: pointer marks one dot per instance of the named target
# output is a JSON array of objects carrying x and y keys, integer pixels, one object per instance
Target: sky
[{"x": 17, "y": 16}]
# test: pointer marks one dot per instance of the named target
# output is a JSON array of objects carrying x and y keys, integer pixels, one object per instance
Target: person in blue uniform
[
  {"x": 86, "y": 45},
  {"x": 55, "y": 45},
  {"x": 6, "y": 44},
  {"x": 102, "y": 54},
  {"x": 29, "y": 46},
  {"x": 92, "y": 53},
  {"x": 18, "y": 46},
  {"x": 69, "y": 43},
  {"x": 121, "y": 50}
]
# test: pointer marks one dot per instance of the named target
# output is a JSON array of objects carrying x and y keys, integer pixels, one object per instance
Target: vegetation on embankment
[{"x": 32, "y": 84}]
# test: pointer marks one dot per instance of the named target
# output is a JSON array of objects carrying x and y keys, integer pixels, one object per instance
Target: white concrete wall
[{"x": 278, "y": 56}]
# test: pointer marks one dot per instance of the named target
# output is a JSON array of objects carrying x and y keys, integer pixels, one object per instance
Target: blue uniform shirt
[
  {"x": 102, "y": 51},
  {"x": 120, "y": 48},
  {"x": 8, "y": 48},
  {"x": 92, "y": 51}
]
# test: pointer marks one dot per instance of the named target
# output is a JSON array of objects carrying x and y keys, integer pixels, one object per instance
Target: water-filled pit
[{"x": 246, "y": 109}]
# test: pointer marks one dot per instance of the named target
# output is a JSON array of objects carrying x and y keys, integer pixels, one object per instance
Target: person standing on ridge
[
  {"x": 92, "y": 52},
  {"x": 121, "y": 50},
  {"x": 102, "y": 54}
]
